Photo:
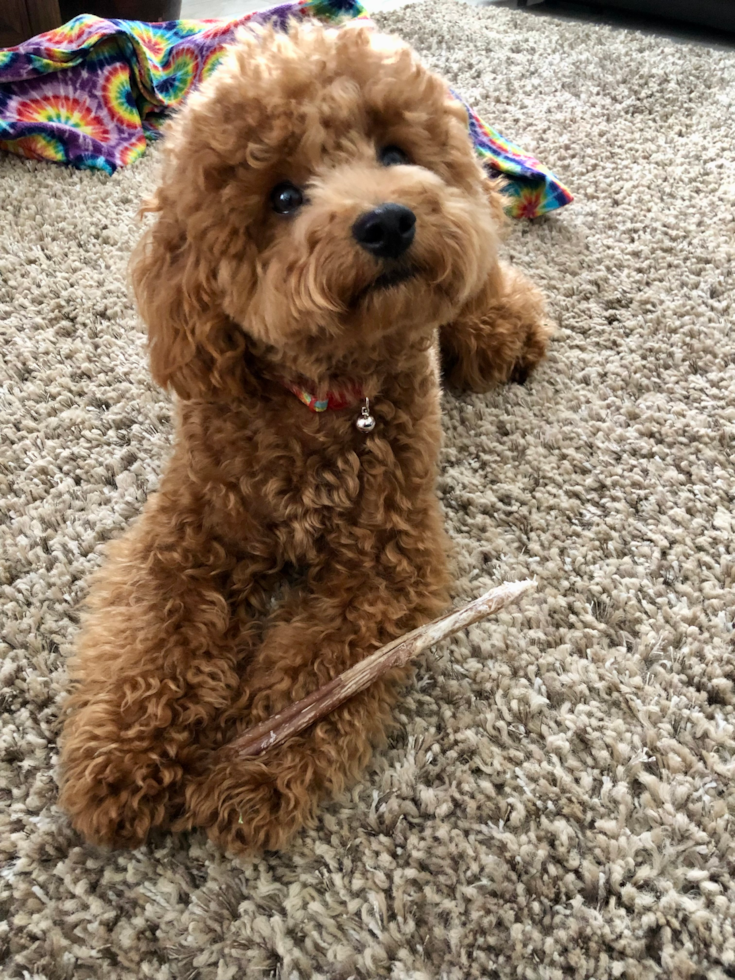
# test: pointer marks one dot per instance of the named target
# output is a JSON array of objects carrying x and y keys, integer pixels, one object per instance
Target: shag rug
[{"x": 559, "y": 799}]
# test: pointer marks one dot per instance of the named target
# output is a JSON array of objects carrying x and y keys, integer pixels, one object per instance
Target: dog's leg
[
  {"x": 501, "y": 335},
  {"x": 349, "y": 609},
  {"x": 156, "y": 664}
]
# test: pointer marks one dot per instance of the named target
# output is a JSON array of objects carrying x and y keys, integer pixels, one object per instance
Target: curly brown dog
[{"x": 322, "y": 220}]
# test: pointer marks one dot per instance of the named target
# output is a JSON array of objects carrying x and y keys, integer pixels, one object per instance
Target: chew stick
[{"x": 299, "y": 715}]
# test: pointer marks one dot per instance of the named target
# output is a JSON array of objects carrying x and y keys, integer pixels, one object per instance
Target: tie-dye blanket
[{"x": 90, "y": 93}]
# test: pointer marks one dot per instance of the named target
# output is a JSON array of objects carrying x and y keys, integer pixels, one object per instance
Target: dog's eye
[
  {"x": 286, "y": 198},
  {"x": 392, "y": 156}
]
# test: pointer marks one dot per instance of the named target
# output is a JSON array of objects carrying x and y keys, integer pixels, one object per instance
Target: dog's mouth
[
  {"x": 388, "y": 279},
  {"x": 393, "y": 277}
]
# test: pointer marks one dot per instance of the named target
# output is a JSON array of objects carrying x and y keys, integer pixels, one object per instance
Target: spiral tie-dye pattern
[{"x": 89, "y": 93}]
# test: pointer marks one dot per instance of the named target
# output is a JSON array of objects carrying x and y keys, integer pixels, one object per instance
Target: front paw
[
  {"x": 245, "y": 808},
  {"x": 538, "y": 333},
  {"x": 116, "y": 796},
  {"x": 501, "y": 336}
]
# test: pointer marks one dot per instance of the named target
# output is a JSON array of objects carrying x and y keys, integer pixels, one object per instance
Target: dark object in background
[
  {"x": 21, "y": 19},
  {"x": 123, "y": 9},
  {"x": 716, "y": 14}
]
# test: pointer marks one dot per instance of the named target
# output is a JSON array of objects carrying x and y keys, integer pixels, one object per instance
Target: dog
[{"x": 324, "y": 238}]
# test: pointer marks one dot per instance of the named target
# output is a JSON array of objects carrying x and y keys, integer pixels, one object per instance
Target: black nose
[{"x": 386, "y": 232}]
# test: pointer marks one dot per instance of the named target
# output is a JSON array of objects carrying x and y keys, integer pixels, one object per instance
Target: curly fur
[{"x": 283, "y": 546}]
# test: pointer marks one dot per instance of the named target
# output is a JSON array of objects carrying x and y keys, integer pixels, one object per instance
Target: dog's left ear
[
  {"x": 194, "y": 347},
  {"x": 491, "y": 182},
  {"x": 493, "y": 189}
]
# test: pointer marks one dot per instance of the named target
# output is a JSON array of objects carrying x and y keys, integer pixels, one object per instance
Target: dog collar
[
  {"x": 335, "y": 400},
  {"x": 332, "y": 400}
]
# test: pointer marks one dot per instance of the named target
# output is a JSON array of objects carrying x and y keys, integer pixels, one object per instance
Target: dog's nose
[{"x": 386, "y": 232}]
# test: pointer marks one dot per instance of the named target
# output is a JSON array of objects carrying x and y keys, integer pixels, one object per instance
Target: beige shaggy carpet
[{"x": 559, "y": 801}]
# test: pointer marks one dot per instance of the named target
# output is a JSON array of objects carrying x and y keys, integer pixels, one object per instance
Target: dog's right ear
[{"x": 192, "y": 343}]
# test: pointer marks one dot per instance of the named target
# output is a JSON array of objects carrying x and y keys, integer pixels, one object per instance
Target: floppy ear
[
  {"x": 194, "y": 347},
  {"x": 492, "y": 182},
  {"x": 493, "y": 188}
]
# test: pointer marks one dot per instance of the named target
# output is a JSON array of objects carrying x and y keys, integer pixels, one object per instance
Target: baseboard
[{"x": 717, "y": 14}]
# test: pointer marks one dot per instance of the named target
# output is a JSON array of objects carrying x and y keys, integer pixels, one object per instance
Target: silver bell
[{"x": 366, "y": 422}]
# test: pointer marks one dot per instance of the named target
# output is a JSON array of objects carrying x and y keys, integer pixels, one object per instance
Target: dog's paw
[
  {"x": 248, "y": 807},
  {"x": 501, "y": 336},
  {"x": 538, "y": 333},
  {"x": 114, "y": 793},
  {"x": 114, "y": 816}
]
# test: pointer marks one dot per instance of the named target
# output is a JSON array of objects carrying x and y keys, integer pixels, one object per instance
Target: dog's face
[{"x": 320, "y": 192}]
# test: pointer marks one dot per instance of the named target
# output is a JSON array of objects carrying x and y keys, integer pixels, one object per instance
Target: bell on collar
[{"x": 366, "y": 422}]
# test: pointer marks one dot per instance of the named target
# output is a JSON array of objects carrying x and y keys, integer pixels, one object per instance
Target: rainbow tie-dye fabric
[{"x": 89, "y": 93}]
